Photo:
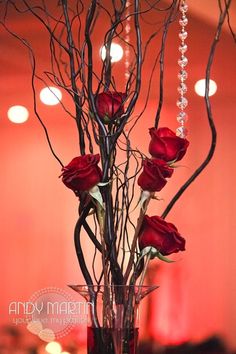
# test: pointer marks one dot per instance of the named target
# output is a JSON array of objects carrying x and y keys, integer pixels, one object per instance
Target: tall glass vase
[{"x": 113, "y": 317}]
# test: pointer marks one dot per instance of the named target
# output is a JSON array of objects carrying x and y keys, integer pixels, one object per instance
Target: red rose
[
  {"x": 153, "y": 177},
  {"x": 82, "y": 173},
  {"x": 110, "y": 105},
  {"x": 162, "y": 235},
  {"x": 166, "y": 145}
]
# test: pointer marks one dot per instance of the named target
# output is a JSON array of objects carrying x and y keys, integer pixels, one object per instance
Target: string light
[{"x": 182, "y": 101}]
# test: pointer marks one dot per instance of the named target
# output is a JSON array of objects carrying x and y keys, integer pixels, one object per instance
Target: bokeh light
[
  {"x": 53, "y": 348},
  {"x": 18, "y": 114},
  {"x": 200, "y": 87},
  {"x": 50, "y": 95},
  {"x": 116, "y": 52}
]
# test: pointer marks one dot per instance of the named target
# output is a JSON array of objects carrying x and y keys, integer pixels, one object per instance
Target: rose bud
[
  {"x": 82, "y": 173},
  {"x": 110, "y": 105},
  {"x": 161, "y": 235},
  {"x": 153, "y": 177},
  {"x": 166, "y": 145}
]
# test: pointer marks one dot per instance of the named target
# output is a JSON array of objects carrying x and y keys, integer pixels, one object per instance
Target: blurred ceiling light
[
  {"x": 200, "y": 87},
  {"x": 53, "y": 348},
  {"x": 65, "y": 353},
  {"x": 116, "y": 52},
  {"x": 18, "y": 114},
  {"x": 50, "y": 95}
]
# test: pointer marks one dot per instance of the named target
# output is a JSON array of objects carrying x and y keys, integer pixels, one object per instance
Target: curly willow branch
[
  {"x": 33, "y": 64},
  {"x": 161, "y": 61}
]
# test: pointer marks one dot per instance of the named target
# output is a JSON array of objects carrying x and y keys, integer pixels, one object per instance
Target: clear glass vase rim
[
  {"x": 102, "y": 286},
  {"x": 137, "y": 289}
]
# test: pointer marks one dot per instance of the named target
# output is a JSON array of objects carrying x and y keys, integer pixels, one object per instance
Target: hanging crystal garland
[
  {"x": 127, "y": 40},
  {"x": 182, "y": 101}
]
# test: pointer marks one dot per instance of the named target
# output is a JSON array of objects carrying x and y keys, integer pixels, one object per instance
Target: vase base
[{"x": 112, "y": 341}]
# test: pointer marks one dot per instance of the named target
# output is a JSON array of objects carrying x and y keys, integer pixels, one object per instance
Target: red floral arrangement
[{"x": 83, "y": 174}]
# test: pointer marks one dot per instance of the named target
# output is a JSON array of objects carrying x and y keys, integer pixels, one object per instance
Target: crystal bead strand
[
  {"x": 182, "y": 101},
  {"x": 127, "y": 40}
]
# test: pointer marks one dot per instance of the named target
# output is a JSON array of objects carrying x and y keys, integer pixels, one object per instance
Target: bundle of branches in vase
[{"x": 112, "y": 178}]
